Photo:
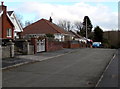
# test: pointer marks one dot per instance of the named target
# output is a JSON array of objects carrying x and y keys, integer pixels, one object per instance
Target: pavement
[
  {"x": 110, "y": 76},
  {"x": 79, "y": 68},
  {"x": 25, "y": 59}
]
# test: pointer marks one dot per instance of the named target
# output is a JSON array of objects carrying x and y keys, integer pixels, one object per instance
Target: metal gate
[{"x": 41, "y": 45}]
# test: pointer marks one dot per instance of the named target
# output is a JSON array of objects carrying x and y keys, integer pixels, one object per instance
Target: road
[{"x": 81, "y": 68}]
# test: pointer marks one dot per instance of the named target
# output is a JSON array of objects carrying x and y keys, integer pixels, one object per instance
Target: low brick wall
[
  {"x": 73, "y": 44},
  {"x": 53, "y": 45},
  {"x": 50, "y": 45},
  {"x": 66, "y": 44}
]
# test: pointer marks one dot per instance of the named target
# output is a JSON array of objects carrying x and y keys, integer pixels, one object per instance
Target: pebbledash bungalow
[{"x": 43, "y": 27}]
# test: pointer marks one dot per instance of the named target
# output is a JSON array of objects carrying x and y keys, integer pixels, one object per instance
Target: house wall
[
  {"x": 63, "y": 37},
  {"x": 60, "y": 37},
  {"x": 68, "y": 37},
  {"x": 6, "y": 23}
]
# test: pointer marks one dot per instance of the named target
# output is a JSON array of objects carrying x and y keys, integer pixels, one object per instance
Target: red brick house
[
  {"x": 43, "y": 27},
  {"x": 6, "y": 25}
]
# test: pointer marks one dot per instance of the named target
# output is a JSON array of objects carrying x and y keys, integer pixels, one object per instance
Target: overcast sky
[{"x": 103, "y": 13}]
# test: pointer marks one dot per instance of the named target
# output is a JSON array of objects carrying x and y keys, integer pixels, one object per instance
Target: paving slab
[{"x": 110, "y": 77}]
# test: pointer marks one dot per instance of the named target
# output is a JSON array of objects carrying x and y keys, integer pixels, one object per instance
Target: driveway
[{"x": 81, "y": 68}]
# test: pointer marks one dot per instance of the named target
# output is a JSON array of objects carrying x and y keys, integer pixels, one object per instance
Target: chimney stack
[
  {"x": 2, "y": 3},
  {"x": 3, "y": 7},
  {"x": 50, "y": 19}
]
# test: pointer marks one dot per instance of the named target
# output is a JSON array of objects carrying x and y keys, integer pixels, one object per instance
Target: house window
[{"x": 9, "y": 32}]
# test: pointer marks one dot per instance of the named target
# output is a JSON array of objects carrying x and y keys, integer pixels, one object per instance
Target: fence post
[
  {"x": 11, "y": 45},
  {"x": 26, "y": 47},
  {"x": 46, "y": 45}
]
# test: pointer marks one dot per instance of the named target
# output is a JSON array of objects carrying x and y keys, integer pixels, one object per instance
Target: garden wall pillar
[
  {"x": 26, "y": 47},
  {"x": 11, "y": 45}
]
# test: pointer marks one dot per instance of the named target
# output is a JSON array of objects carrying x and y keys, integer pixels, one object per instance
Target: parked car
[{"x": 97, "y": 44}]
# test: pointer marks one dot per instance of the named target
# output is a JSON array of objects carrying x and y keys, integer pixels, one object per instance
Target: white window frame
[{"x": 9, "y": 32}]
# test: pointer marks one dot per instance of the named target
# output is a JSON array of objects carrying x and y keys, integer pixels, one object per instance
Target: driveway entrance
[{"x": 41, "y": 45}]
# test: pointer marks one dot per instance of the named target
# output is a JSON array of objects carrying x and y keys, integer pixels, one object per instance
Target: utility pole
[{"x": 86, "y": 28}]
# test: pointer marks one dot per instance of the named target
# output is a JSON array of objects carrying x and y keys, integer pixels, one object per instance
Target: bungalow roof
[{"x": 43, "y": 26}]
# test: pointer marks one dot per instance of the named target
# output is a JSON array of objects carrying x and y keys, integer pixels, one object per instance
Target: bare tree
[
  {"x": 23, "y": 24},
  {"x": 28, "y": 23},
  {"x": 66, "y": 25},
  {"x": 19, "y": 18},
  {"x": 78, "y": 25}
]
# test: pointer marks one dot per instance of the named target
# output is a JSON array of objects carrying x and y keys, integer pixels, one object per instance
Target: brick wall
[
  {"x": 66, "y": 44},
  {"x": 53, "y": 45},
  {"x": 73, "y": 44}
]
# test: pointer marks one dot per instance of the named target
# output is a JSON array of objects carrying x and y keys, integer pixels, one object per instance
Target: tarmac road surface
[{"x": 81, "y": 68}]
